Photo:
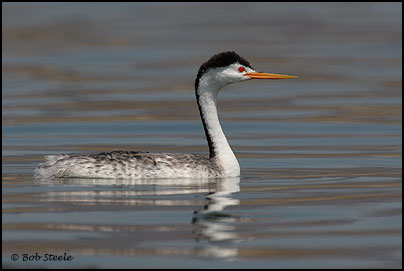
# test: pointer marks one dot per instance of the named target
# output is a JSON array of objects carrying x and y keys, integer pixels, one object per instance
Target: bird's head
[{"x": 228, "y": 67}]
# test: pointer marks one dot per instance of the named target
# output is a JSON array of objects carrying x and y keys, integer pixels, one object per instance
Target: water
[{"x": 320, "y": 155}]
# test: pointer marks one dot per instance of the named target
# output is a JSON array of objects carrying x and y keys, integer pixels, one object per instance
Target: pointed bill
[{"x": 262, "y": 75}]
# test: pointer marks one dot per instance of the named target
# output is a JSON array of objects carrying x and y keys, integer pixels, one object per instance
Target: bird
[{"x": 217, "y": 72}]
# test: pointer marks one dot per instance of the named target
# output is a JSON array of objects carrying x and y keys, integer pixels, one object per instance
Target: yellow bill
[{"x": 262, "y": 75}]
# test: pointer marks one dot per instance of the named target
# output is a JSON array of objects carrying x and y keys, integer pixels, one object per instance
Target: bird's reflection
[
  {"x": 214, "y": 228},
  {"x": 213, "y": 223}
]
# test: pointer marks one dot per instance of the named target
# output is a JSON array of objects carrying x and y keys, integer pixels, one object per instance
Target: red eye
[{"x": 241, "y": 69}]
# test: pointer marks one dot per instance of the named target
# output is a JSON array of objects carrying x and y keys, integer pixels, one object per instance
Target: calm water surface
[{"x": 320, "y": 155}]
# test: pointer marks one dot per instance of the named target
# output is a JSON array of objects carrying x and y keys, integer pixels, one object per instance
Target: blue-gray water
[{"x": 320, "y": 155}]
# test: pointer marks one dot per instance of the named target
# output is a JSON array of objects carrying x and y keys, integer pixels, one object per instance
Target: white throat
[{"x": 219, "y": 148}]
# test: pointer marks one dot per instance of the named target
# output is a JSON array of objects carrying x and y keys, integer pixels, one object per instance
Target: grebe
[{"x": 219, "y": 71}]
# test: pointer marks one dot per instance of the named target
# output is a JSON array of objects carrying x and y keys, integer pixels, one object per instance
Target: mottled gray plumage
[{"x": 128, "y": 164}]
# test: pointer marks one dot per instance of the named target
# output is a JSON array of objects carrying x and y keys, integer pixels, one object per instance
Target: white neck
[{"x": 220, "y": 151}]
